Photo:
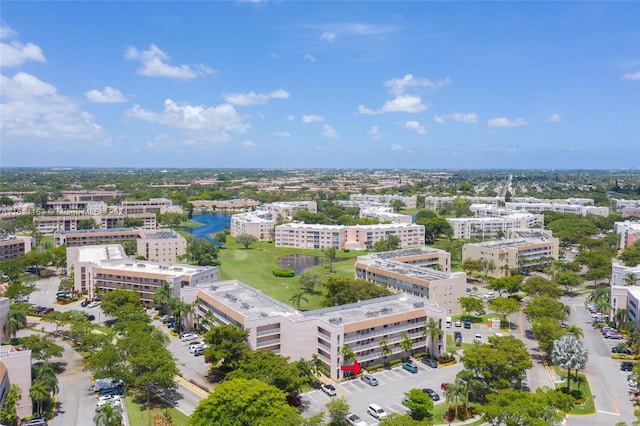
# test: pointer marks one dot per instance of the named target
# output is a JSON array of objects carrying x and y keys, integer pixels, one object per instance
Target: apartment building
[
  {"x": 15, "y": 369},
  {"x": 104, "y": 268},
  {"x": 419, "y": 272},
  {"x": 87, "y": 207},
  {"x": 436, "y": 203},
  {"x": 227, "y": 205},
  {"x": 410, "y": 202},
  {"x": 385, "y": 214},
  {"x": 166, "y": 246},
  {"x": 287, "y": 209},
  {"x": 577, "y": 209},
  {"x": 492, "y": 227},
  {"x": 12, "y": 247},
  {"x": 277, "y": 327},
  {"x": 358, "y": 237},
  {"x": 78, "y": 196},
  {"x": 621, "y": 294},
  {"x": 152, "y": 205},
  {"x": 259, "y": 223},
  {"x": 50, "y": 223},
  {"x": 629, "y": 233},
  {"x": 85, "y": 237},
  {"x": 529, "y": 252}
]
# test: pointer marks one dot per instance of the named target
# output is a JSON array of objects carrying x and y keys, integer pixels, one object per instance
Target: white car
[
  {"x": 198, "y": 346},
  {"x": 355, "y": 420},
  {"x": 109, "y": 399},
  {"x": 93, "y": 304},
  {"x": 477, "y": 338},
  {"x": 328, "y": 389},
  {"x": 187, "y": 337}
]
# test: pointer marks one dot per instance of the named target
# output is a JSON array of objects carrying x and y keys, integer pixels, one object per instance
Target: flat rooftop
[
  {"x": 101, "y": 253},
  {"x": 403, "y": 253},
  {"x": 97, "y": 231},
  {"x": 408, "y": 270},
  {"x": 514, "y": 242}
]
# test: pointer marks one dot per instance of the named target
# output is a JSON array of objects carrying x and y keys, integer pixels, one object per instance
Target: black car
[
  {"x": 434, "y": 396},
  {"x": 626, "y": 366},
  {"x": 84, "y": 303},
  {"x": 90, "y": 317},
  {"x": 430, "y": 362}
]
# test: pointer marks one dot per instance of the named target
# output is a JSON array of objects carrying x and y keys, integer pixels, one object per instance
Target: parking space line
[{"x": 615, "y": 406}]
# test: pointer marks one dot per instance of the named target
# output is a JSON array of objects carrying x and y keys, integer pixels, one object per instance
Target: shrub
[
  {"x": 374, "y": 367},
  {"x": 395, "y": 362},
  {"x": 284, "y": 273},
  {"x": 421, "y": 355},
  {"x": 446, "y": 359}
]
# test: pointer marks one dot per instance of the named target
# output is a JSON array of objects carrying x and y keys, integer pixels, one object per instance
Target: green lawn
[
  {"x": 254, "y": 266},
  {"x": 140, "y": 416},
  {"x": 440, "y": 410},
  {"x": 589, "y": 406}
]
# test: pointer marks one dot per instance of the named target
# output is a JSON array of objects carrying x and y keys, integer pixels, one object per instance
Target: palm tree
[
  {"x": 316, "y": 365},
  {"x": 347, "y": 353},
  {"x": 386, "y": 349},
  {"x": 433, "y": 331},
  {"x": 39, "y": 392},
  {"x": 164, "y": 298},
  {"x": 407, "y": 344},
  {"x": 17, "y": 319},
  {"x": 575, "y": 331},
  {"x": 621, "y": 317},
  {"x": 452, "y": 393},
  {"x": 46, "y": 373},
  {"x": 106, "y": 415},
  {"x": 298, "y": 297},
  {"x": 181, "y": 310},
  {"x": 569, "y": 352},
  {"x": 629, "y": 280}
]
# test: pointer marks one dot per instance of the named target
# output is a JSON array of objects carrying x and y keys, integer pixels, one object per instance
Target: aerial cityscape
[{"x": 260, "y": 213}]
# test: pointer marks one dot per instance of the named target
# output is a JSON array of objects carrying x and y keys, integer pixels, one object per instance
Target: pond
[
  {"x": 300, "y": 262},
  {"x": 211, "y": 224}
]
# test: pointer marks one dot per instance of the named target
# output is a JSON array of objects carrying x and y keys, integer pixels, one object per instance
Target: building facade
[
  {"x": 49, "y": 224},
  {"x": 12, "y": 247},
  {"x": 629, "y": 233},
  {"x": 437, "y": 202},
  {"x": 492, "y": 227},
  {"x": 259, "y": 223},
  {"x": 15, "y": 369},
  {"x": 410, "y": 202}
]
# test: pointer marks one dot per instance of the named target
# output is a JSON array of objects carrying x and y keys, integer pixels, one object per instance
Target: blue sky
[{"x": 320, "y": 84}]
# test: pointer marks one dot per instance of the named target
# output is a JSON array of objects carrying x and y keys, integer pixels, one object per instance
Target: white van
[
  {"x": 376, "y": 411},
  {"x": 448, "y": 322},
  {"x": 490, "y": 295}
]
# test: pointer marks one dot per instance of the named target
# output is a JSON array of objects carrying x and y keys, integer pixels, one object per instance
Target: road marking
[
  {"x": 608, "y": 412},
  {"x": 615, "y": 406},
  {"x": 520, "y": 321},
  {"x": 191, "y": 387},
  {"x": 574, "y": 308}
]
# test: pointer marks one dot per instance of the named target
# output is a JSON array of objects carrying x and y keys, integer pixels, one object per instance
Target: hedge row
[{"x": 284, "y": 273}]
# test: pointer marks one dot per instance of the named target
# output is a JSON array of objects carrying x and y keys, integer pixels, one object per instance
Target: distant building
[
  {"x": 622, "y": 295},
  {"x": 100, "y": 269},
  {"x": 492, "y": 227},
  {"x": 49, "y": 224},
  {"x": 279, "y": 328},
  {"x": 227, "y": 205},
  {"x": 629, "y": 233},
  {"x": 577, "y": 209},
  {"x": 287, "y": 209},
  {"x": 12, "y": 247},
  {"x": 524, "y": 252},
  {"x": 15, "y": 369},
  {"x": 84, "y": 237},
  {"x": 78, "y": 196},
  {"x": 165, "y": 246},
  {"x": 410, "y": 202},
  {"x": 437, "y": 202},
  {"x": 385, "y": 214},
  {"x": 421, "y": 272},
  {"x": 153, "y": 205},
  {"x": 258, "y": 223}
]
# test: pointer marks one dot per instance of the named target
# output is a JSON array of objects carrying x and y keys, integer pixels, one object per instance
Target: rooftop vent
[
  {"x": 386, "y": 311},
  {"x": 372, "y": 313},
  {"x": 418, "y": 304}
]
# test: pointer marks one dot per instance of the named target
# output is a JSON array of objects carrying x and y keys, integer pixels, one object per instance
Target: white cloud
[
  {"x": 282, "y": 134},
  {"x": 309, "y": 57},
  {"x": 329, "y": 132},
  {"x": 415, "y": 125},
  {"x": 399, "y": 86},
  {"x": 155, "y": 64},
  {"x": 328, "y": 36},
  {"x": 253, "y": 98},
  {"x": 553, "y": 118},
  {"x": 108, "y": 95},
  {"x": 249, "y": 145},
  {"x": 261, "y": 116},
  {"x": 632, "y": 75},
  {"x": 32, "y": 109},
  {"x": 364, "y": 110},
  {"x": 406, "y": 103},
  {"x": 306, "y": 119},
  {"x": 464, "y": 117},
  {"x": 290, "y": 117},
  {"x": 15, "y": 53},
  {"x": 505, "y": 122},
  {"x": 395, "y": 147},
  {"x": 375, "y": 132},
  {"x": 203, "y": 124}
]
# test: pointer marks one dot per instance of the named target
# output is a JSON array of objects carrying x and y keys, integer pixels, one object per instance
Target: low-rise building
[
  {"x": 287, "y": 209},
  {"x": 420, "y": 272},
  {"x": 12, "y": 246},
  {"x": 104, "y": 268},
  {"x": 226, "y": 205},
  {"x": 48, "y": 224},
  {"x": 259, "y": 223},
  {"x": 529, "y": 252},
  {"x": 15, "y": 369},
  {"x": 437, "y": 202},
  {"x": 410, "y": 202},
  {"x": 629, "y": 233},
  {"x": 152, "y": 205},
  {"x": 577, "y": 209},
  {"x": 385, "y": 214},
  {"x": 367, "y": 326},
  {"x": 625, "y": 291},
  {"x": 492, "y": 227},
  {"x": 85, "y": 237}
]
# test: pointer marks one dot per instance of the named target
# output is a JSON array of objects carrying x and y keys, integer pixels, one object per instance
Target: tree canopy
[{"x": 343, "y": 290}]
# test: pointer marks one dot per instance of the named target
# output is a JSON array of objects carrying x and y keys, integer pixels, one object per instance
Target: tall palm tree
[
  {"x": 568, "y": 352},
  {"x": 621, "y": 317},
  {"x": 39, "y": 392},
  {"x": 433, "y": 331},
  {"x": 298, "y": 297},
  {"x": 452, "y": 393},
  {"x": 575, "y": 331},
  {"x": 629, "y": 280},
  {"x": 347, "y": 353},
  {"x": 407, "y": 344},
  {"x": 386, "y": 349},
  {"x": 181, "y": 310},
  {"x": 316, "y": 365},
  {"x": 17, "y": 319},
  {"x": 164, "y": 298},
  {"x": 107, "y": 415},
  {"x": 46, "y": 373}
]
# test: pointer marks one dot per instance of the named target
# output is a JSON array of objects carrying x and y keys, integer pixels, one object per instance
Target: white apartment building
[
  {"x": 15, "y": 369},
  {"x": 577, "y": 209},
  {"x": 287, "y": 209},
  {"x": 570, "y": 201},
  {"x": 152, "y": 205},
  {"x": 277, "y": 327},
  {"x": 410, "y": 202},
  {"x": 523, "y": 252},
  {"x": 385, "y": 214},
  {"x": 358, "y": 237},
  {"x": 437, "y": 202},
  {"x": 623, "y": 296},
  {"x": 629, "y": 233},
  {"x": 258, "y": 223},
  {"x": 491, "y": 227},
  {"x": 105, "y": 268},
  {"x": 49, "y": 224},
  {"x": 420, "y": 272}
]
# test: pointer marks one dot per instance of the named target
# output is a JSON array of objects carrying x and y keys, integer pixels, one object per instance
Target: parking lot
[{"x": 393, "y": 383}]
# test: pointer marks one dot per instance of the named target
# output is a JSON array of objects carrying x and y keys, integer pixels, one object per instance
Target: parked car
[
  {"x": 199, "y": 346},
  {"x": 613, "y": 335},
  {"x": 626, "y": 366},
  {"x": 376, "y": 411},
  {"x": 410, "y": 366},
  {"x": 93, "y": 304},
  {"x": 430, "y": 362},
  {"x": 187, "y": 337},
  {"x": 477, "y": 338},
  {"x": 328, "y": 389},
  {"x": 46, "y": 311},
  {"x": 457, "y": 336},
  {"x": 467, "y": 324},
  {"x": 370, "y": 380},
  {"x": 199, "y": 351},
  {"x": 39, "y": 421},
  {"x": 90, "y": 317},
  {"x": 84, "y": 303},
  {"x": 433, "y": 394},
  {"x": 294, "y": 400},
  {"x": 355, "y": 420},
  {"x": 458, "y": 322},
  {"x": 111, "y": 392}
]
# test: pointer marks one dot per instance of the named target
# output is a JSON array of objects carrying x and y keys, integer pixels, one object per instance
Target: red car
[{"x": 444, "y": 386}]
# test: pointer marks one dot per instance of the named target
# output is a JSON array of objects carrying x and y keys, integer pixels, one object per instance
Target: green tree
[
  {"x": 243, "y": 402},
  {"x": 547, "y": 330},
  {"x": 338, "y": 411},
  {"x": 16, "y": 320},
  {"x": 504, "y": 306},
  {"x": 347, "y": 353},
  {"x": 397, "y": 205},
  {"x": 114, "y": 301},
  {"x": 569, "y": 279},
  {"x": 386, "y": 349},
  {"x": 453, "y": 393},
  {"x": 273, "y": 369},
  {"x": 46, "y": 373},
  {"x": 298, "y": 297},
  {"x": 181, "y": 311},
  {"x": 420, "y": 404},
  {"x": 397, "y": 419},
  {"x": 108, "y": 415},
  {"x": 164, "y": 298},
  {"x": 8, "y": 412},
  {"x": 472, "y": 265},
  {"x": 87, "y": 224},
  {"x": 39, "y": 393},
  {"x": 246, "y": 240},
  {"x": 344, "y": 290},
  {"x": 130, "y": 247},
  {"x": 227, "y": 343},
  {"x": 471, "y": 304},
  {"x": 202, "y": 253},
  {"x": 392, "y": 242},
  {"x": 434, "y": 332},
  {"x": 42, "y": 348},
  {"x": 434, "y": 228},
  {"x": 407, "y": 344},
  {"x": 511, "y": 407},
  {"x": 220, "y": 238},
  {"x": 546, "y": 307},
  {"x": 509, "y": 284},
  {"x": 310, "y": 280},
  {"x": 568, "y": 352},
  {"x": 329, "y": 255},
  {"x": 631, "y": 255}
]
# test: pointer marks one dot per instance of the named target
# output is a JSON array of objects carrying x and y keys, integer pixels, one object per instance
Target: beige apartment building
[
  {"x": 241, "y": 204},
  {"x": 629, "y": 232},
  {"x": 85, "y": 237},
  {"x": 523, "y": 252},
  {"x": 279, "y": 328},
  {"x": 577, "y": 209},
  {"x": 410, "y": 202},
  {"x": 492, "y": 227},
  {"x": 258, "y": 223},
  {"x": 420, "y": 272},
  {"x": 437, "y": 202},
  {"x": 12, "y": 247},
  {"x": 15, "y": 369},
  {"x": 385, "y": 214},
  {"x": 152, "y": 205},
  {"x": 105, "y": 268},
  {"x": 78, "y": 196},
  {"x": 358, "y": 237},
  {"x": 287, "y": 209},
  {"x": 49, "y": 224}
]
